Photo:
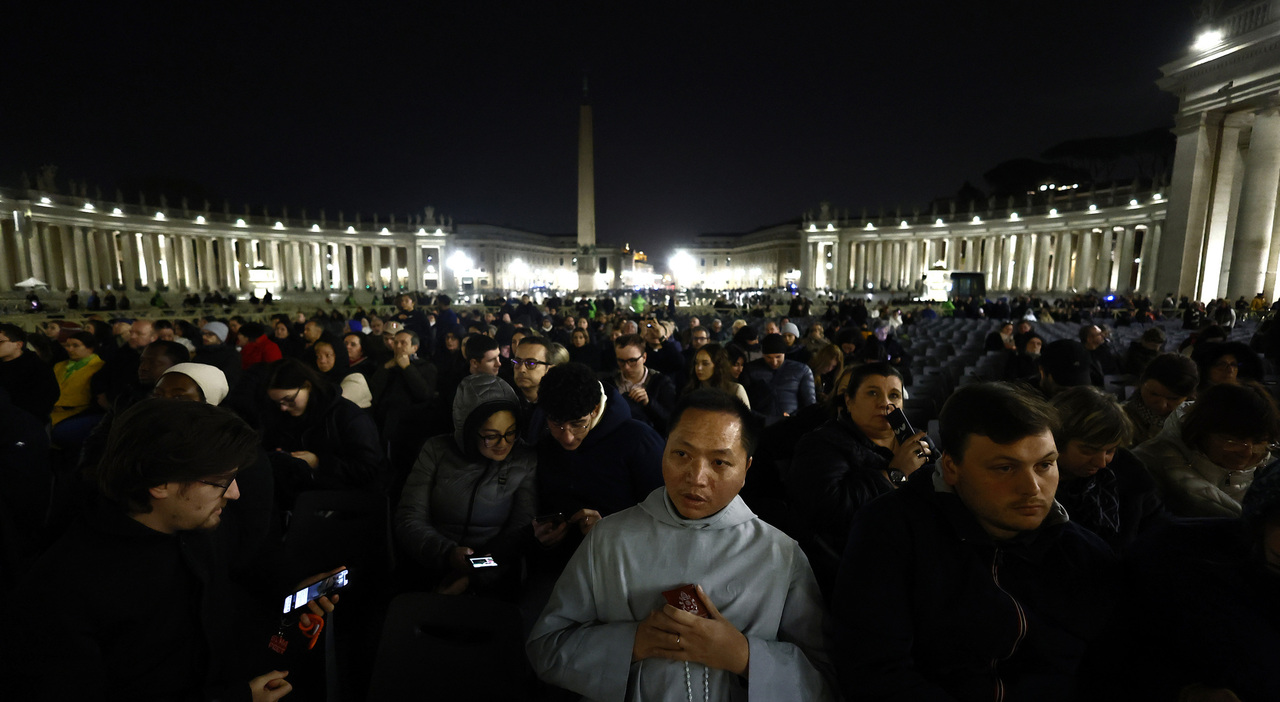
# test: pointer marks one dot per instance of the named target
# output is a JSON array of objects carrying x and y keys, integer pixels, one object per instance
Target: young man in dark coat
[
  {"x": 165, "y": 622},
  {"x": 969, "y": 582},
  {"x": 30, "y": 381}
]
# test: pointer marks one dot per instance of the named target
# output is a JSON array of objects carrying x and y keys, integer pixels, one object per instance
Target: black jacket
[
  {"x": 172, "y": 630},
  {"x": 31, "y": 385},
  {"x": 928, "y": 607},
  {"x": 836, "y": 470},
  {"x": 662, "y": 399},
  {"x": 343, "y": 438}
]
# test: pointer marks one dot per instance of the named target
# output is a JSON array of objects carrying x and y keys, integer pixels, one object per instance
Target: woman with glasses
[
  {"x": 317, "y": 439},
  {"x": 1225, "y": 362},
  {"x": 1204, "y": 461},
  {"x": 471, "y": 494}
]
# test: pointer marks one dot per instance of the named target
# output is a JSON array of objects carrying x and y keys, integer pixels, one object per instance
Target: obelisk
[{"x": 586, "y": 198}]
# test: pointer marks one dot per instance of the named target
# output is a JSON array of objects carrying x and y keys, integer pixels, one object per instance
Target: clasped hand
[{"x": 677, "y": 635}]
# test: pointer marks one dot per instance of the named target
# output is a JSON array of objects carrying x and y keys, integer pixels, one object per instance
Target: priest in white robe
[{"x": 609, "y": 632}]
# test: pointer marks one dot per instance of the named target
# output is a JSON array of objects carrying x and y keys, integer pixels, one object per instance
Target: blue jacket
[{"x": 781, "y": 391}]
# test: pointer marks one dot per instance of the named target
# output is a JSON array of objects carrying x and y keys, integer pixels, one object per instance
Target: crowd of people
[{"x": 719, "y": 508}]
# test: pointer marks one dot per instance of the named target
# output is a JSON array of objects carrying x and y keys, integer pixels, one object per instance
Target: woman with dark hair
[
  {"x": 102, "y": 333},
  {"x": 1204, "y": 462},
  {"x": 710, "y": 369},
  {"x": 737, "y": 360},
  {"x": 360, "y": 353},
  {"x": 1228, "y": 362},
  {"x": 853, "y": 458},
  {"x": 291, "y": 344},
  {"x": 317, "y": 439},
  {"x": 581, "y": 350},
  {"x": 71, "y": 418},
  {"x": 471, "y": 493},
  {"x": 334, "y": 367}
]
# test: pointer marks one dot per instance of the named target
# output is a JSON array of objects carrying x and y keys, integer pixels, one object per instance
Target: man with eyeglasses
[
  {"x": 30, "y": 381},
  {"x": 594, "y": 460},
  {"x": 530, "y": 361},
  {"x": 157, "y": 554},
  {"x": 699, "y": 336},
  {"x": 649, "y": 393}
]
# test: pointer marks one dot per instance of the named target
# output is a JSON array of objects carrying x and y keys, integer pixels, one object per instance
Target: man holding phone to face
[
  {"x": 136, "y": 601},
  {"x": 688, "y": 593}
]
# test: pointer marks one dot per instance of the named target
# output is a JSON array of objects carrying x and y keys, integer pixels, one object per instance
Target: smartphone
[
  {"x": 901, "y": 425},
  {"x": 903, "y": 430},
  {"x": 328, "y": 586},
  {"x": 483, "y": 562},
  {"x": 555, "y": 518}
]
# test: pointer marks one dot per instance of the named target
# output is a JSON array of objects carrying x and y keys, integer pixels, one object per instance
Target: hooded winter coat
[{"x": 456, "y": 497}]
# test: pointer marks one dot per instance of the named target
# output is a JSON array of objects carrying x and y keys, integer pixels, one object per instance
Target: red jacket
[{"x": 262, "y": 350}]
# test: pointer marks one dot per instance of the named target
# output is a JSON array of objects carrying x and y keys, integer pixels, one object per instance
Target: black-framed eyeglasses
[
  {"x": 491, "y": 440},
  {"x": 1226, "y": 364},
  {"x": 529, "y": 363},
  {"x": 576, "y": 427},
  {"x": 223, "y": 483},
  {"x": 630, "y": 361},
  {"x": 288, "y": 401}
]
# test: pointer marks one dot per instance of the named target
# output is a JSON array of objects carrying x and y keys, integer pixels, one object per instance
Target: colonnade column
[
  {"x": 375, "y": 262},
  {"x": 189, "y": 249},
  {"x": 22, "y": 228},
  {"x": 1026, "y": 242},
  {"x": 1150, "y": 256},
  {"x": 129, "y": 261},
  {"x": 35, "y": 250},
  {"x": 1257, "y": 213},
  {"x": 1102, "y": 275},
  {"x": 109, "y": 259},
  {"x": 151, "y": 254},
  {"x": 6, "y": 280},
  {"x": 339, "y": 265},
  {"x": 65, "y": 250},
  {"x": 1086, "y": 261},
  {"x": 1040, "y": 281},
  {"x": 883, "y": 258},
  {"x": 1124, "y": 264},
  {"x": 84, "y": 278},
  {"x": 860, "y": 278}
]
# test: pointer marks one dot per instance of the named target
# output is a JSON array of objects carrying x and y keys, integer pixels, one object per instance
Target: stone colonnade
[
  {"x": 1089, "y": 251},
  {"x": 91, "y": 251},
  {"x": 1226, "y": 178}
]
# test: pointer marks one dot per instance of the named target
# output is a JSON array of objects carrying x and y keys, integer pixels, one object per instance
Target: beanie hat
[
  {"x": 218, "y": 329},
  {"x": 791, "y": 328}
]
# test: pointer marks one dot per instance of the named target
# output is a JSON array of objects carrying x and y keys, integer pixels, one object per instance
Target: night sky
[{"x": 709, "y": 117}]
